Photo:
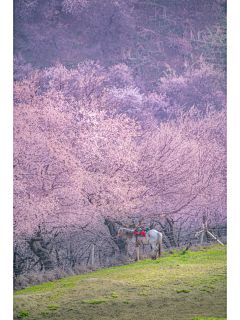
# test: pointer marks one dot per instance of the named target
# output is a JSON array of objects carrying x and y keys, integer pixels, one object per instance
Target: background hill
[{"x": 152, "y": 37}]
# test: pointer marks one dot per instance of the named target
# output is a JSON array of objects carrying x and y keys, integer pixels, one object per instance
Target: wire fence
[
  {"x": 51, "y": 257},
  {"x": 69, "y": 252}
]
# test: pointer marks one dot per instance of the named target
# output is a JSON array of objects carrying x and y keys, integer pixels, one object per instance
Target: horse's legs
[
  {"x": 154, "y": 252},
  {"x": 137, "y": 251},
  {"x": 160, "y": 248}
]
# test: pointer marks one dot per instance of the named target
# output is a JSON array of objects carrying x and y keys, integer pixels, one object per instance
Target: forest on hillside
[{"x": 119, "y": 114}]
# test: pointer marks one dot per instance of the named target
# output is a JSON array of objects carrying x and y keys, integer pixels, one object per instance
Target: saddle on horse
[{"x": 140, "y": 231}]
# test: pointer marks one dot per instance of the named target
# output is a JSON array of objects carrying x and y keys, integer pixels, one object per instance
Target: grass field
[{"x": 175, "y": 287}]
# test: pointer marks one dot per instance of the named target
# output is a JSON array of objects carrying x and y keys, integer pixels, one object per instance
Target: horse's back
[
  {"x": 154, "y": 232},
  {"x": 154, "y": 235}
]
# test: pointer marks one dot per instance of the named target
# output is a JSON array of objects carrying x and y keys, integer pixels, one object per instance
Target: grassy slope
[{"x": 174, "y": 287}]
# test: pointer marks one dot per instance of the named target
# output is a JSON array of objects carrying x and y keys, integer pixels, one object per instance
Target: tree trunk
[
  {"x": 122, "y": 245},
  {"x": 19, "y": 263},
  {"x": 169, "y": 233},
  {"x": 37, "y": 246}
]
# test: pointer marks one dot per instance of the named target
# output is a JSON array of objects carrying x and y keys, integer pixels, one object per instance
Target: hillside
[
  {"x": 190, "y": 286},
  {"x": 152, "y": 37}
]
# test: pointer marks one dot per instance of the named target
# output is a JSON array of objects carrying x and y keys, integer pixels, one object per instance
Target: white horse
[{"x": 152, "y": 237}]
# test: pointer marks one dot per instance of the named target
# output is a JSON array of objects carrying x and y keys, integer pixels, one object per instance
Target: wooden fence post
[
  {"x": 92, "y": 255},
  {"x": 201, "y": 237},
  {"x": 204, "y": 229},
  {"x": 215, "y": 238}
]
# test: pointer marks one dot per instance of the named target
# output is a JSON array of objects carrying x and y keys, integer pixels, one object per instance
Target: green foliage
[
  {"x": 201, "y": 318},
  {"x": 183, "y": 290},
  {"x": 205, "y": 290},
  {"x": 53, "y": 307},
  {"x": 114, "y": 295},
  {"x": 45, "y": 312},
  {"x": 23, "y": 314},
  {"x": 94, "y": 301},
  {"x": 143, "y": 294}
]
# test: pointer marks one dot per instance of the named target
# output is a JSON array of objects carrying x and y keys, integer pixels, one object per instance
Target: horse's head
[{"x": 120, "y": 234}]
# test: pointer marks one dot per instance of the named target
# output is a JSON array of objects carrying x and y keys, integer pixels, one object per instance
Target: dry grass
[{"x": 39, "y": 277}]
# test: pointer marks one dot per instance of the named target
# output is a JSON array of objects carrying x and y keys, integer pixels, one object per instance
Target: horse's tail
[{"x": 160, "y": 245}]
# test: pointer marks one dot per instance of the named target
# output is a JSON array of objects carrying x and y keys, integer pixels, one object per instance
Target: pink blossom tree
[
  {"x": 80, "y": 164},
  {"x": 201, "y": 86},
  {"x": 67, "y": 154},
  {"x": 183, "y": 169}
]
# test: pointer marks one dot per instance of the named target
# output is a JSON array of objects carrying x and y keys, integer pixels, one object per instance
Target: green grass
[
  {"x": 22, "y": 314},
  {"x": 183, "y": 290},
  {"x": 53, "y": 307},
  {"x": 94, "y": 301},
  {"x": 180, "y": 287},
  {"x": 201, "y": 318},
  {"x": 143, "y": 294}
]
